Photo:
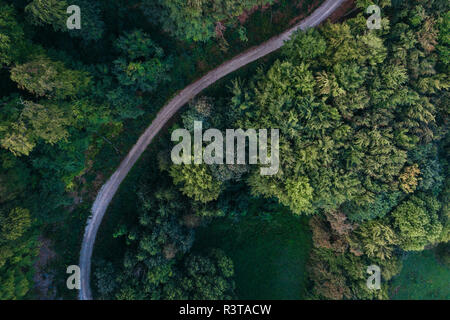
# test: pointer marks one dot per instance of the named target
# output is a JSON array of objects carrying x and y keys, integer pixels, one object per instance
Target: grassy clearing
[
  {"x": 423, "y": 277},
  {"x": 269, "y": 256}
]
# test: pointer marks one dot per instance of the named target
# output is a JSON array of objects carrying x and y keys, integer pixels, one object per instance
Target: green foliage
[
  {"x": 13, "y": 178},
  {"x": 342, "y": 276},
  {"x": 416, "y": 222},
  {"x": 208, "y": 278},
  {"x": 293, "y": 193},
  {"x": 196, "y": 182},
  {"x": 196, "y": 20},
  {"x": 44, "y": 77},
  {"x": 92, "y": 25},
  {"x": 377, "y": 239},
  {"x": 377, "y": 208},
  {"x": 153, "y": 247},
  {"x": 361, "y": 115},
  {"x": 200, "y": 110},
  {"x": 14, "y": 225},
  {"x": 138, "y": 45},
  {"x": 305, "y": 46},
  {"x": 431, "y": 171},
  {"x": 12, "y": 37},
  {"x": 142, "y": 66},
  {"x": 106, "y": 283},
  {"x": 35, "y": 121},
  {"x": 445, "y": 212},
  {"x": 48, "y": 12},
  {"x": 17, "y": 250},
  {"x": 347, "y": 120},
  {"x": 444, "y": 39},
  {"x": 364, "y": 4}
]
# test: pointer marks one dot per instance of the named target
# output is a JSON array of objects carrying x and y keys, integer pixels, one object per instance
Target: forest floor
[
  {"x": 269, "y": 256},
  {"x": 42, "y": 278}
]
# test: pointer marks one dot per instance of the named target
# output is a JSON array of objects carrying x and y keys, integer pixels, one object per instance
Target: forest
[{"x": 364, "y": 150}]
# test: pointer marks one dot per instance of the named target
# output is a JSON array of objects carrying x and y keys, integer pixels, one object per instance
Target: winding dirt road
[{"x": 109, "y": 189}]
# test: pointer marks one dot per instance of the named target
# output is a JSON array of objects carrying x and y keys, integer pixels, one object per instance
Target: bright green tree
[
  {"x": 37, "y": 121},
  {"x": 416, "y": 222},
  {"x": 196, "y": 182},
  {"x": 44, "y": 77},
  {"x": 377, "y": 239}
]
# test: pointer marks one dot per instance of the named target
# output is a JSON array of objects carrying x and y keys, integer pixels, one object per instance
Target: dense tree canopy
[
  {"x": 197, "y": 20},
  {"x": 417, "y": 222},
  {"x": 16, "y": 250},
  {"x": 362, "y": 114}
]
